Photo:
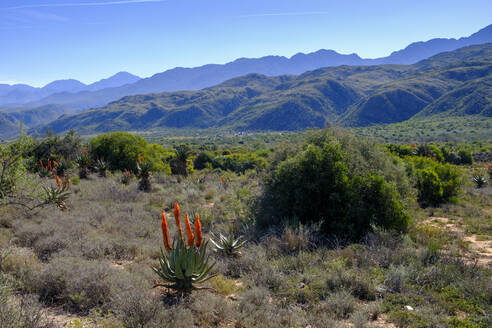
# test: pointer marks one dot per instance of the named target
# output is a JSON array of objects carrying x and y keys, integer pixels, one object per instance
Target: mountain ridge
[
  {"x": 196, "y": 78},
  {"x": 347, "y": 95}
]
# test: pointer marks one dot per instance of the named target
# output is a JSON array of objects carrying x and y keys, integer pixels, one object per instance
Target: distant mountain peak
[
  {"x": 69, "y": 85},
  {"x": 117, "y": 80},
  {"x": 194, "y": 78}
]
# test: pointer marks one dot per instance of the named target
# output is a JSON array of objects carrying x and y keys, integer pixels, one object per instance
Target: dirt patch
[
  {"x": 481, "y": 249},
  {"x": 120, "y": 264},
  {"x": 63, "y": 319},
  {"x": 381, "y": 322}
]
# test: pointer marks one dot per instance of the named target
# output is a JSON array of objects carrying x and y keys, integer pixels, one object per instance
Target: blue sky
[{"x": 45, "y": 40}]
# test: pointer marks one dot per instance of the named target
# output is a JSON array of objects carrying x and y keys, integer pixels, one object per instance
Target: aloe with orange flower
[
  {"x": 184, "y": 263},
  {"x": 58, "y": 194}
]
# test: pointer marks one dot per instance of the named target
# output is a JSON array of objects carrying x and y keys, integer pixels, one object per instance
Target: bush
[
  {"x": 239, "y": 163},
  {"x": 429, "y": 186},
  {"x": 465, "y": 156},
  {"x": 24, "y": 313},
  {"x": 203, "y": 160},
  {"x": 431, "y": 151},
  {"x": 317, "y": 186},
  {"x": 57, "y": 148},
  {"x": 12, "y": 167},
  {"x": 436, "y": 183},
  {"x": 122, "y": 150}
]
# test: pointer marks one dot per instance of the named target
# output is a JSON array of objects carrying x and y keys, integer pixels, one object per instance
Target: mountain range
[
  {"x": 22, "y": 94},
  {"x": 451, "y": 83},
  {"x": 76, "y": 95},
  {"x": 71, "y": 96}
]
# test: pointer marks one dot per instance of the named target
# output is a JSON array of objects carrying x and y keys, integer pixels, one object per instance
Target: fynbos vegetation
[{"x": 317, "y": 229}]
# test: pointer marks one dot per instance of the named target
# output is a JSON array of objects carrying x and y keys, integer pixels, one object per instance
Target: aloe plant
[
  {"x": 144, "y": 170},
  {"x": 102, "y": 167},
  {"x": 228, "y": 245},
  {"x": 479, "y": 180},
  {"x": 83, "y": 162},
  {"x": 59, "y": 194},
  {"x": 183, "y": 265}
]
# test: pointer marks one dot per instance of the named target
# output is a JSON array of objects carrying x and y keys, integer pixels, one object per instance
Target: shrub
[
  {"x": 12, "y": 165},
  {"x": 431, "y": 151},
  {"x": 429, "y": 186},
  {"x": 26, "y": 313},
  {"x": 121, "y": 150},
  {"x": 316, "y": 186},
  {"x": 81, "y": 284},
  {"x": 56, "y": 147},
  {"x": 465, "y": 156},
  {"x": 436, "y": 183},
  {"x": 204, "y": 160},
  {"x": 239, "y": 163},
  {"x": 340, "y": 305}
]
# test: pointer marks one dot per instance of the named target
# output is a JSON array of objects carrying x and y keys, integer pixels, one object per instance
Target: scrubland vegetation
[{"x": 315, "y": 229}]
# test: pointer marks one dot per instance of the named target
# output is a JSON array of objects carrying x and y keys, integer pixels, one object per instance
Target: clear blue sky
[{"x": 45, "y": 40}]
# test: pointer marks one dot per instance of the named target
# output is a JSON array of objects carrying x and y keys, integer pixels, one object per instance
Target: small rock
[{"x": 408, "y": 308}]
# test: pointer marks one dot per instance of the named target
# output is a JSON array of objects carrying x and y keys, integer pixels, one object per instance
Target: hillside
[
  {"x": 10, "y": 120},
  {"x": 350, "y": 95},
  {"x": 178, "y": 79}
]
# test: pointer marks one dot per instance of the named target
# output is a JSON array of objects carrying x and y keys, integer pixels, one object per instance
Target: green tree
[
  {"x": 121, "y": 150},
  {"x": 317, "y": 186}
]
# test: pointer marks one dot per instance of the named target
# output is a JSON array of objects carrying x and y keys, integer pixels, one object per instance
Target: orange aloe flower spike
[
  {"x": 191, "y": 237},
  {"x": 198, "y": 231},
  {"x": 55, "y": 163},
  {"x": 58, "y": 181},
  {"x": 41, "y": 163},
  {"x": 178, "y": 220},
  {"x": 165, "y": 232}
]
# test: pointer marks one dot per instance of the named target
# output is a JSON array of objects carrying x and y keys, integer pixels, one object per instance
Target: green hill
[
  {"x": 457, "y": 83},
  {"x": 10, "y": 119}
]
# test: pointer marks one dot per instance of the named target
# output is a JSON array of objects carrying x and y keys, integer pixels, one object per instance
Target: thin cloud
[
  {"x": 45, "y": 16},
  {"x": 305, "y": 13},
  {"x": 82, "y": 4}
]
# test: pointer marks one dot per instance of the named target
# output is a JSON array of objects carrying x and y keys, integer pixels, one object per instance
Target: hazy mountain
[
  {"x": 208, "y": 75},
  {"x": 116, "y": 80},
  {"x": 421, "y": 50},
  {"x": 350, "y": 95},
  {"x": 10, "y": 119},
  {"x": 21, "y": 94},
  {"x": 69, "y": 85}
]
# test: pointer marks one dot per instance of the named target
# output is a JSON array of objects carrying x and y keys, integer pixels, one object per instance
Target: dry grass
[{"x": 95, "y": 261}]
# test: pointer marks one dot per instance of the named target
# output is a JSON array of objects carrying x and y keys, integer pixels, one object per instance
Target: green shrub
[
  {"x": 465, "y": 156},
  {"x": 239, "y": 162},
  {"x": 429, "y": 186},
  {"x": 12, "y": 165},
  {"x": 317, "y": 186},
  {"x": 203, "y": 160},
  {"x": 436, "y": 183},
  {"x": 431, "y": 151},
  {"x": 121, "y": 150},
  {"x": 56, "y": 148}
]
